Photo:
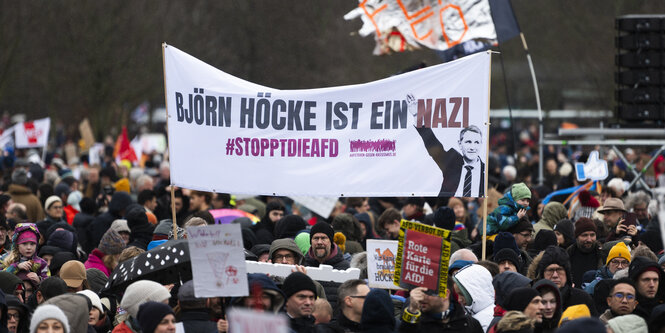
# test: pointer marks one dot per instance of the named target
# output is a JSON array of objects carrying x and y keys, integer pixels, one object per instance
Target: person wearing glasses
[
  {"x": 351, "y": 297},
  {"x": 54, "y": 213},
  {"x": 554, "y": 264},
  {"x": 618, "y": 258},
  {"x": 622, "y": 299}
]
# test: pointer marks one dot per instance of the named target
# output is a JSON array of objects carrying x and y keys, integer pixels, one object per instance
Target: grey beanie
[
  {"x": 76, "y": 309},
  {"x": 48, "y": 311},
  {"x": 140, "y": 292},
  {"x": 164, "y": 227},
  {"x": 629, "y": 323}
]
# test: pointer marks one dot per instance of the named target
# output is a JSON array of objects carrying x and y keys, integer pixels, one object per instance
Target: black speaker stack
[{"x": 640, "y": 70}]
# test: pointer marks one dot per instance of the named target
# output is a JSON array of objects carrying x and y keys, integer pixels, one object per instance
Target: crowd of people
[{"x": 593, "y": 265}]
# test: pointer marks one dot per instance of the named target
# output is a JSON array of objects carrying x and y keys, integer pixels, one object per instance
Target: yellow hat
[
  {"x": 122, "y": 185},
  {"x": 619, "y": 250},
  {"x": 575, "y": 312}
]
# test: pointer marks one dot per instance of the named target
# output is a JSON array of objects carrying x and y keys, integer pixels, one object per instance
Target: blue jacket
[{"x": 503, "y": 217}]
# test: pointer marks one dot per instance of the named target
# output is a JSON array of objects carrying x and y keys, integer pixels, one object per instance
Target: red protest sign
[{"x": 422, "y": 257}]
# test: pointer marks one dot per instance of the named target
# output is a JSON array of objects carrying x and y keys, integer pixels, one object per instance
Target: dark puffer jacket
[
  {"x": 97, "y": 228},
  {"x": 645, "y": 305},
  {"x": 337, "y": 261},
  {"x": 458, "y": 321}
]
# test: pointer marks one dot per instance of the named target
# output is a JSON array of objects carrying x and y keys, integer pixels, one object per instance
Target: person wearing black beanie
[
  {"x": 527, "y": 300},
  {"x": 155, "y": 315},
  {"x": 508, "y": 260},
  {"x": 264, "y": 230},
  {"x": 300, "y": 293},
  {"x": 542, "y": 241},
  {"x": 565, "y": 233}
]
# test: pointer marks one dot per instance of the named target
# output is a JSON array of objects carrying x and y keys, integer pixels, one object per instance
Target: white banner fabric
[
  {"x": 32, "y": 134},
  {"x": 435, "y": 24},
  {"x": 230, "y": 135}
]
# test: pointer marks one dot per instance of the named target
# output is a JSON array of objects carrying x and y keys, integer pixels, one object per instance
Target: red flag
[{"x": 123, "y": 150}]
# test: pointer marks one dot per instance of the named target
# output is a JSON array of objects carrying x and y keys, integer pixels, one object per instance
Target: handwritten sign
[
  {"x": 218, "y": 260},
  {"x": 247, "y": 321},
  {"x": 381, "y": 256},
  {"x": 423, "y": 252}
]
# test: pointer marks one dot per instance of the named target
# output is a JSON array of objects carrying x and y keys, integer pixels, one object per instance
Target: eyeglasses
[
  {"x": 56, "y": 207},
  {"x": 13, "y": 315},
  {"x": 358, "y": 296},
  {"x": 558, "y": 270},
  {"x": 619, "y": 263},
  {"x": 525, "y": 234},
  {"x": 279, "y": 257},
  {"x": 620, "y": 296}
]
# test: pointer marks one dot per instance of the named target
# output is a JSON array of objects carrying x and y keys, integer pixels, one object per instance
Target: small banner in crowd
[
  {"x": 248, "y": 321},
  {"x": 32, "y": 134},
  {"x": 218, "y": 260},
  {"x": 423, "y": 252},
  {"x": 401, "y": 25},
  {"x": 381, "y": 263},
  {"x": 233, "y": 136}
]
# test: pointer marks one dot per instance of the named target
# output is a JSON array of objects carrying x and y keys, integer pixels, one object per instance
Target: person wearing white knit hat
[
  {"x": 138, "y": 293},
  {"x": 47, "y": 317},
  {"x": 97, "y": 310}
]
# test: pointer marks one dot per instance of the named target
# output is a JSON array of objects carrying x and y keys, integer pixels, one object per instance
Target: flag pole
[
  {"x": 541, "y": 178},
  {"x": 510, "y": 109},
  {"x": 166, "y": 103},
  {"x": 487, "y": 158}
]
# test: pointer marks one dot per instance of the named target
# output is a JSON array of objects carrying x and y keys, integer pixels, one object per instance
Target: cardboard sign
[
  {"x": 381, "y": 263},
  {"x": 248, "y": 321},
  {"x": 423, "y": 252},
  {"x": 218, "y": 260},
  {"x": 86, "y": 134}
]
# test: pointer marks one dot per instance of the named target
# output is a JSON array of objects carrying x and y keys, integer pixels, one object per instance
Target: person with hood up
[
  {"x": 116, "y": 210},
  {"x": 23, "y": 257},
  {"x": 648, "y": 283},
  {"x": 552, "y": 213},
  {"x": 97, "y": 318},
  {"x": 377, "y": 316},
  {"x": 564, "y": 231},
  {"x": 76, "y": 308},
  {"x": 264, "y": 230},
  {"x": 105, "y": 256},
  {"x": 155, "y": 317},
  {"x": 512, "y": 206},
  {"x": 554, "y": 264},
  {"x": 551, "y": 299},
  {"x": 285, "y": 251},
  {"x": 49, "y": 318},
  {"x": 473, "y": 283}
]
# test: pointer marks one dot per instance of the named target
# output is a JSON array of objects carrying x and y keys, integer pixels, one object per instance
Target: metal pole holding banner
[
  {"x": 487, "y": 159},
  {"x": 166, "y": 103},
  {"x": 541, "y": 178}
]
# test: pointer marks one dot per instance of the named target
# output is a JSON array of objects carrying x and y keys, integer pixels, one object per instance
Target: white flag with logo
[{"x": 31, "y": 134}]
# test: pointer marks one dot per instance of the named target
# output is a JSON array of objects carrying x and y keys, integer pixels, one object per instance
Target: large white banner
[
  {"x": 436, "y": 24},
  {"x": 32, "y": 134},
  {"x": 413, "y": 134}
]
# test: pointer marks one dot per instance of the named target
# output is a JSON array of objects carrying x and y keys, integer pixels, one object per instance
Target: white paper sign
[
  {"x": 7, "y": 139},
  {"x": 407, "y": 135},
  {"x": 218, "y": 260},
  {"x": 320, "y": 205},
  {"x": 381, "y": 263},
  {"x": 31, "y": 134},
  {"x": 247, "y": 321}
]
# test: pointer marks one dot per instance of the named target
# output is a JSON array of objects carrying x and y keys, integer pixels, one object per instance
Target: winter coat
[
  {"x": 476, "y": 280},
  {"x": 95, "y": 260},
  {"x": 345, "y": 324},
  {"x": 123, "y": 328},
  {"x": 581, "y": 261},
  {"x": 458, "y": 321},
  {"x": 302, "y": 324},
  {"x": 602, "y": 273},
  {"x": 33, "y": 207},
  {"x": 3, "y": 313},
  {"x": 80, "y": 223},
  {"x": 377, "y": 315},
  {"x": 503, "y": 217},
  {"x": 337, "y": 261},
  {"x": 101, "y": 223},
  {"x": 549, "y": 325},
  {"x": 288, "y": 244},
  {"x": 197, "y": 321},
  {"x": 552, "y": 213},
  {"x": 645, "y": 305},
  {"x": 505, "y": 282}
]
